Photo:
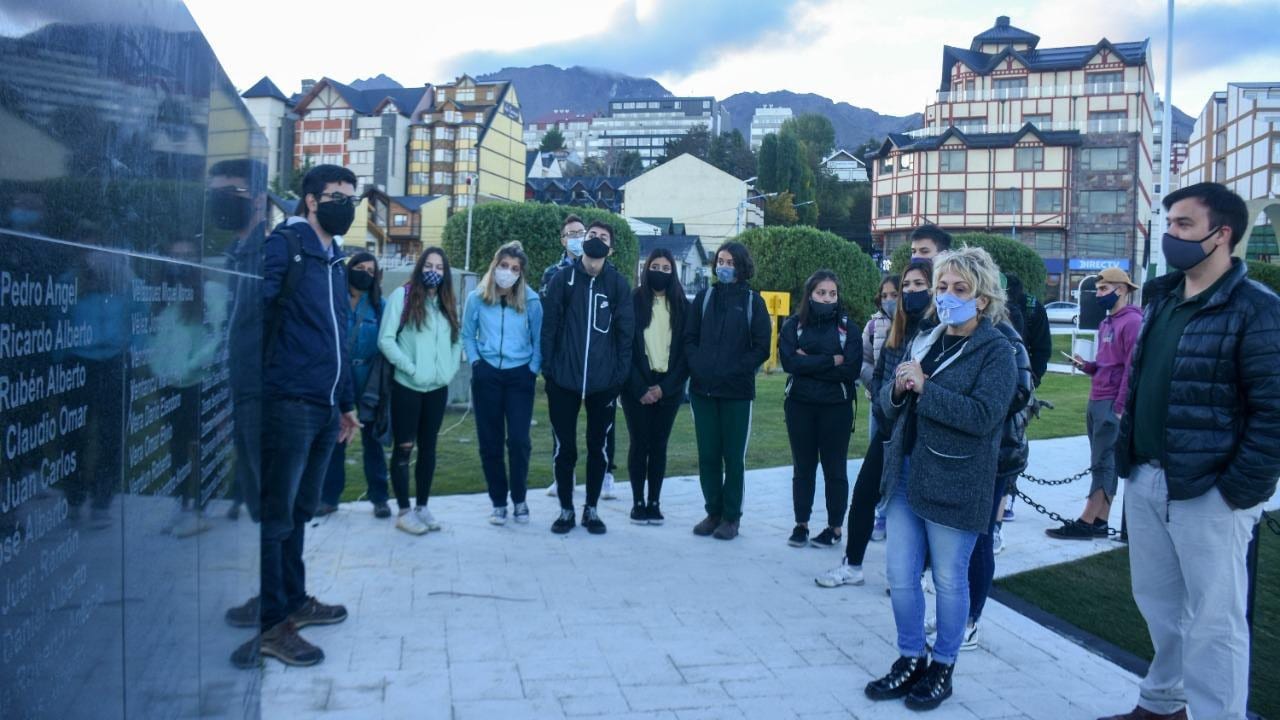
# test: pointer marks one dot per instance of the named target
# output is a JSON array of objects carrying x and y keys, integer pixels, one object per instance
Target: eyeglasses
[
  {"x": 573, "y": 235},
  {"x": 229, "y": 190},
  {"x": 340, "y": 199}
]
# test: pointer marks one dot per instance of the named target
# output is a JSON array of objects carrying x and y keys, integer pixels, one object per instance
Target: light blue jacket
[
  {"x": 425, "y": 358},
  {"x": 501, "y": 336}
]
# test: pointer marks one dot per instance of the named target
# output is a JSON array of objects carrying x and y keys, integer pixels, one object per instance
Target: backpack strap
[
  {"x": 751, "y": 302},
  {"x": 274, "y": 317}
]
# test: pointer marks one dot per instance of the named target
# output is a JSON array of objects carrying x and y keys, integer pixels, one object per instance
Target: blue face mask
[
  {"x": 1108, "y": 301},
  {"x": 724, "y": 273},
  {"x": 953, "y": 311},
  {"x": 574, "y": 245}
]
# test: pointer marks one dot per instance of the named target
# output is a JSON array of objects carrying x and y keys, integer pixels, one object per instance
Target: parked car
[{"x": 1063, "y": 312}]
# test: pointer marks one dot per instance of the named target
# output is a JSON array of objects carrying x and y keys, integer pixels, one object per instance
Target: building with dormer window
[{"x": 1052, "y": 146}]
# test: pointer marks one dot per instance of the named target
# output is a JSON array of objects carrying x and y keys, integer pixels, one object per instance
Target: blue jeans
[
  {"x": 503, "y": 402},
  {"x": 375, "y": 469},
  {"x": 909, "y": 538},
  {"x": 297, "y": 443}
]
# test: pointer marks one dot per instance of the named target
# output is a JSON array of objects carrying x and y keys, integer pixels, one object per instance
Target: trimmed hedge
[
  {"x": 1011, "y": 255},
  {"x": 786, "y": 256},
  {"x": 537, "y": 227},
  {"x": 1265, "y": 273}
]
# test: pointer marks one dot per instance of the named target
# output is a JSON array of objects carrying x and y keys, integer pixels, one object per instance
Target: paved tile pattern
[{"x": 478, "y": 621}]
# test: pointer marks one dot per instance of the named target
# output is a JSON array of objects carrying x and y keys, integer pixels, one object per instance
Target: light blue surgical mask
[
  {"x": 953, "y": 311},
  {"x": 725, "y": 274},
  {"x": 574, "y": 245}
]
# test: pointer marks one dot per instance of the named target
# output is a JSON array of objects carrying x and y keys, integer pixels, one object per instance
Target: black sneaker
[
  {"x": 1074, "y": 530},
  {"x": 247, "y": 615},
  {"x": 826, "y": 539},
  {"x": 326, "y": 509},
  {"x": 655, "y": 513},
  {"x": 381, "y": 510},
  {"x": 283, "y": 643},
  {"x": 929, "y": 692},
  {"x": 591, "y": 521},
  {"x": 564, "y": 523},
  {"x": 902, "y": 677},
  {"x": 1101, "y": 529},
  {"x": 799, "y": 537},
  {"x": 314, "y": 612},
  {"x": 639, "y": 513},
  {"x": 707, "y": 525}
]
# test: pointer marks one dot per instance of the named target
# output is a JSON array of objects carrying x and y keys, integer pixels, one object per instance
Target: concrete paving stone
[
  {"x": 724, "y": 713},
  {"x": 567, "y": 667},
  {"x": 722, "y": 673},
  {"x": 484, "y": 681},
  {"x": 643, "y": 666},
  {"x": 557, "y": 689},
  {"x": 606, "y": 704},
  {"x": 675, "y": 697},
  {"x": 506, "y": 710},
  {"x": 417, "y": 689}
]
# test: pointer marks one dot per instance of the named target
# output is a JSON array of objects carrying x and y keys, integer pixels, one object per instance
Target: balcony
[
  {"x": 1085, "y": 126},
  {"x": 1040, "y": 91}
]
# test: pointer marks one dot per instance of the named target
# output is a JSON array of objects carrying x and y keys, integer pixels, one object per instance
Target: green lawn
[
  {"x": 458, "y": 465},
  {"x": 1093, "y": 594},
  {"x": 1062, "y": 344}
]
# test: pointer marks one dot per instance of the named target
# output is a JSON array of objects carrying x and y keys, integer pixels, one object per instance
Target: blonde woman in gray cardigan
[{"x": 947, "y": 403}]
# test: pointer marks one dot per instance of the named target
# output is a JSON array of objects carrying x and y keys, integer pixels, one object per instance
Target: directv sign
[{"x": 1098, "y": 264}]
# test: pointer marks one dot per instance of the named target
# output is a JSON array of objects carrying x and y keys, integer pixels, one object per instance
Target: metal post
[
  {"x": 471, "y": 203},
  {"x": 1166, "y": 136}
]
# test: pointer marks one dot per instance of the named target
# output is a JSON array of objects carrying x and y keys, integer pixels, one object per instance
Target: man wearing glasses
[
  {"x": 572, "y": 234},
  {"x": 309, "y": 404}
]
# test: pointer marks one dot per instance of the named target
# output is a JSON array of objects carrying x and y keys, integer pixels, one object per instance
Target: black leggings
[
  {"x": 650, "y": 429},
  {"x": 819, "y": 432},
  {"x": 866, "y": 495},
  {"x": 415, "y": 417}
]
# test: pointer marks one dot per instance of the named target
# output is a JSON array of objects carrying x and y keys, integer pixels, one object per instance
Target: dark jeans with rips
[
  {"x": 503, "y": 402},
  {"x": 866, "y": 496},
  {"x": 298, "y": 439},
  {"x": 982, "y": 565}
]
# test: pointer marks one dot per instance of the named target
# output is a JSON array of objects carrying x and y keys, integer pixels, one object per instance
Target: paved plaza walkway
[{"x": 500, "y": 623}]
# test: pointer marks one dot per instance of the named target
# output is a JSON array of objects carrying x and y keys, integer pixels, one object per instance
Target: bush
[
  {"x": 786, "y": 256},
  {"x": 537, "y": 227},
  {"x": 1011, "y": 255},
  {"x": 1265, "y": 273}
]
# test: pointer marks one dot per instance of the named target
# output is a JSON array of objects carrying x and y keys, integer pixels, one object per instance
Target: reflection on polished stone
[{"x": 127, "y": 392}]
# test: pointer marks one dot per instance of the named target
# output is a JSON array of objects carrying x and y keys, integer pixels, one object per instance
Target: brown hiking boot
[
  {"x": 707, "y": 526},
  {"x": 728, "y": 530},
  {"x": 247, "y": 615},
  {"x": 314, "y": 612},
  {"x": 283, "y": 643},
  {"x": 1141, "y": 713}
]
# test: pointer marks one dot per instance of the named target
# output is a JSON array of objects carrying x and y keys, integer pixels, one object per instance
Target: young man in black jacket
[
  {"x": 587, "y": 329},
  {"x": 1199, "y": 446}
]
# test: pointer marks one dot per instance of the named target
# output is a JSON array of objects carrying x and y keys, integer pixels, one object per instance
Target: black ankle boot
[
  {"x": 904, "y": 674},
  {"x": 932, "y": 689}
]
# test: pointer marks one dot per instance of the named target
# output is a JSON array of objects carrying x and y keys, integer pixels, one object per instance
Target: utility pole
[
  {"x": 1166, "y": 136},
  {"x": 471, "y": 203}
]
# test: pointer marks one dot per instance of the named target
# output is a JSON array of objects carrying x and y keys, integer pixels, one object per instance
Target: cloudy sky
[{"x": 884, "y": 55}]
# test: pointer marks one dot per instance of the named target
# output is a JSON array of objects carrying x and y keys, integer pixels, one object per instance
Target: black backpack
[{"x": 273, "y": 315}]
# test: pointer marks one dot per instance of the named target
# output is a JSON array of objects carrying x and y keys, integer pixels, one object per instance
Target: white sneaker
[
  {"x": 845, "y": 574},
  {"x": 926, "y": 583},
  {"x": 997, "y": 541},
  {"x": 970, "y": 637},
  {"x": 551, "y": 489},
  {"x": 931, "y": 625},
  {"x": 522, "y": 513},
  {"x": 606, "y": 491},
  {"x": 409, "y": 522},
  {"x": 426, "y": 517},
  {"x": 498, "y": 516}
]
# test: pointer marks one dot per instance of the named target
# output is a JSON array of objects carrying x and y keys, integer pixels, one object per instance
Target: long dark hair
[
  {"x": 802, "y": 313},
  {"x": 375, "y": 290},
  {"x": 416, "y": 313},
  {"x": 893, "y": 280},
  {"x": 743, "y": 268},
  {"x": 676, "y": 300},
  {"x": 898, "y": 330}
]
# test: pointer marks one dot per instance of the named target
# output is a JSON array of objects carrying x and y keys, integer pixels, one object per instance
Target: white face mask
[{"x": 505, "y": 277}]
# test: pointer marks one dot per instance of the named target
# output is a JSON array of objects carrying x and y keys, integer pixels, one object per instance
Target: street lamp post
[
  {"x": 471, "y": 203},
  {"x": 742, "y": 209}
]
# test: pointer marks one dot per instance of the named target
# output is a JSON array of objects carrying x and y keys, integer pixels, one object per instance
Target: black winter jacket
[
  {"x": 814, "y": 376},
  {"x": 587, "y": 330},
  {"x": 1014, "y": 449},
  {"x": 1222, "y": 426},
  {"x": 641, "y": 377},
  {"x": 723, "y": 353}
]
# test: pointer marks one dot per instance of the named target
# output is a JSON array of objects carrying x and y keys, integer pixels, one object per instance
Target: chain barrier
[
  {"x": 1111, "y": 532},
  {"x": 1272, "y": 522},
  {"x": 1065, "y": 481}
]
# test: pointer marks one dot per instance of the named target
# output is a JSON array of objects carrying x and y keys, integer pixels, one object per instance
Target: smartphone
[{"x": 1068, "y": 357}]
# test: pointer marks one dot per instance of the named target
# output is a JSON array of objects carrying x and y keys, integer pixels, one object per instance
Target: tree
[
  {"x": 871, "y": 145},
  {"x": 552, "y": 141},
  {"x": 289, "y": 182},
  {"x": 614, "y": 163},
  {"x": 731, "y": 153},
  {"x": 815, "y": 132},
  {"x": 786, "y": 256},
  {"x": 782, "y": 167},
  {"x": 696, "y": 142},
  {"x": 629, "y": 164},
  {"x": 780, "y": 209}
]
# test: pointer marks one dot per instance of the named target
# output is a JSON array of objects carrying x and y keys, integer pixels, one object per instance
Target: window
[
  {"x": 361, "y": 157},
  {"x": 886, "y": 166},
  {"x": 418, "y": 178},
  {"x": 1103, "y": 159},
  {"x": 1028, "y": 158},
  {"x": 952, "y": 160},
  {"x": 904, "y": 203},
  {"x": 884, "y": 206},
  {"x": 441, "y": 178},
  {"x": 467, "y": 155},
  {"x": 400, "y": 220},
  {"x": 1008, "y": 202},
  {"x": 969, "y": 87},
  {"x": 331, "y": 159},
  {"x": 1220, "y": 170},
  {"x": 311, "y": 137},
  {"x": 364, "y": 181},
  {"x": 970, "y": 125},
  {"x": 452, "y": 116},
  {"x": 421, "y": 133},
  {"x": 1107, "y": 121},
  {"x": 442, "y": 155},
  {"x": 1048, "y": 201},
  {"x": 444, "y": 133},
  {"x": 1009, "y": 87},
  {"x": 421, "y": 156},
  {"x": 906, "y": 162},
  {"x": 469, "y": 133},
  {"x": 1042, "y": 122},
  {"x": 1220, "y": 142},
  {"x": 461, "y": 201},
  {"x": 332, "y": 137},
  {"x": 1107, "y": 245},
  {"x": 464, "y": 96},
  {"x": 1104, "y": 83},
  {"x": 1102, "y": 202},
  {"x": 1046, "y": 244},
  {"x": 951, "y": 201}
]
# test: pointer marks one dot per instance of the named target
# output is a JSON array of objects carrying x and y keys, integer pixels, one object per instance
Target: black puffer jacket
[
  {"x": 1014, "y": 449},
  {"x": 814, "y": 377},
  {"x": 724, "y": 353},
  {"x": 587, "y": 329},
  {"x": 1223, "y": 421}
]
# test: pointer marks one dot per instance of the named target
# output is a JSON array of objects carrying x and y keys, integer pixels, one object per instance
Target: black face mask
[
  {"x": 822, "y": 311},
  {"x": 1186, "y": 254},
  {"x": 914, "y": 303},
  {"x": 360, "y": 280},
  {"x": 334, "y": 218},
  {"x": 595, "y": 248},
  {"x": 229, "y": 212},
  {"x": 657, "y": 280}
]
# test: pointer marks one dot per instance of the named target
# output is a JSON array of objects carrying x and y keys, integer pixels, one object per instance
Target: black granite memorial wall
[{"x": 128, "y": 346}]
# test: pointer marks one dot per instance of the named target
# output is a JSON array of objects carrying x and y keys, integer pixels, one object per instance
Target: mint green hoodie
[{"x": 425, "y": 358}]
